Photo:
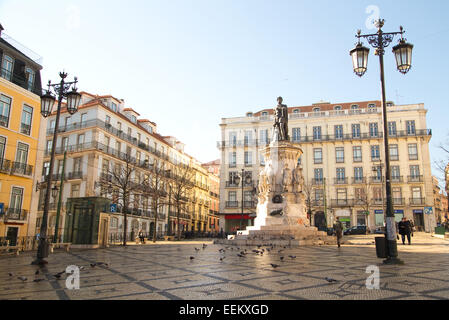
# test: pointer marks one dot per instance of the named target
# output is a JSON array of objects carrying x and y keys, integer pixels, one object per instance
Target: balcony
[
  {"x": 399, "y": 201},
  {"x": 75, "y": 175},
  {"x": 317, "y": 203},
  {"x": 397, "y": 179},
  {"x": 15, "y": 168},
  {"x": 243, "y": 143},
  {"x": 341, "y": 181},
  {"x": 249, "y": 204},
  {"x": 232, "y": 204},
  {"x": 18, "y": 80},
  {"x": 342, "y": 202},
  {"x": 358, "y": 180},
  {"x": 25, "y": 129},
  {"x": 318, "y": 182},
  {"x": 16, "y": 214},
  {"x": 415, "y": 179},
  {"x": 376, "y": 179},
  {"x": 417, "y": 201}
]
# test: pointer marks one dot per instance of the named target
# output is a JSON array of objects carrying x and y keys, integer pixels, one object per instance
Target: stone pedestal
[{"x": 281, "y": 210}]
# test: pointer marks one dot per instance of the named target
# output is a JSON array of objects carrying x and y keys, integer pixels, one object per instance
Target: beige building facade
[{"x": 342, "y": 161}]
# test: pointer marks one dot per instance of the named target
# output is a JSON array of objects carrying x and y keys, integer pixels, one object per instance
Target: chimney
[{"x": 1, "y": 29}]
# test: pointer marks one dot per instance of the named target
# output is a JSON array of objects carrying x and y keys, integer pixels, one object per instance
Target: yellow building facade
[{"x": 20, "y": 89}]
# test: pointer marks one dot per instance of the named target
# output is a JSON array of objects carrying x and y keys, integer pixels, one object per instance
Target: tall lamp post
[
  {"x": 61, "y": 90},
  {"x": 403, "y": 55},
  {"x": 243, "y": 178}
]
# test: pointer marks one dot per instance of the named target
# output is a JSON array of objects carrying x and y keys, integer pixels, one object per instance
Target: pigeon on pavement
[
  {"x": 274, "y": 265},
  {"x": 22, "y": 278},
  {"x": 330, "y": 280}
]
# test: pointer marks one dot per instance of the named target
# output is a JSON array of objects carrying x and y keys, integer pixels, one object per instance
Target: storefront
[
  {"x": 418, "y": 219},
  {"x": 232, "y": 222},
  {"x": 344, "y": 216}
]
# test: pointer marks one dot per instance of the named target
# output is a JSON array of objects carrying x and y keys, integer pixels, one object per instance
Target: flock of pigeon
[
  {"x": 259, "y": 251},
  {"x": 57, "y": 276}
]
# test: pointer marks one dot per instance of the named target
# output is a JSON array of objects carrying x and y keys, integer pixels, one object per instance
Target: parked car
[{"x": 355, "y": 230}]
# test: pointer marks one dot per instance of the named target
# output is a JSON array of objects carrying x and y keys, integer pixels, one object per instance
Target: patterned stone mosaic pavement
[{"x": 165, "y": 272}]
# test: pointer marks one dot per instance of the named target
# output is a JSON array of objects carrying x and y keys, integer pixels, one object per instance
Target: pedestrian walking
[
  {"x": 141, "y": 236},
  {"x": 338, "y": 227},
  {"x": 405, "y": 229}
]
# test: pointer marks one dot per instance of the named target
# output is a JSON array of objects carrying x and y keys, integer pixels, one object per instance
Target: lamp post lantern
[
  {"x": 48, "y": 100},
  {"x": 403, "y": 55}
]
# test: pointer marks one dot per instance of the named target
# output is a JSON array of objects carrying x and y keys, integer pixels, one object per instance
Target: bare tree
[
  {"x": 153, "y": 186},
  {"x": 181, "y": 185},
  {"x": 307, "y": 190},
  {"x": 121, "y": 182},
  {"x": 362, "y": 195}
]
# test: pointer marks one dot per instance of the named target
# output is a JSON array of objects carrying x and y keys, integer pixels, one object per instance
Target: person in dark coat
[
  {"x": 338, "y": 227},
  {"x": 405, "y": 229}
]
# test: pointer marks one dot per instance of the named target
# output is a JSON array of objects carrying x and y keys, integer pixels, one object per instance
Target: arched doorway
[{"x": 320, "y": 221}]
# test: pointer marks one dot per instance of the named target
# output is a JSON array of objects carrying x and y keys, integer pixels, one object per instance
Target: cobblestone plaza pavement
[{"x": 164, "y": 271}]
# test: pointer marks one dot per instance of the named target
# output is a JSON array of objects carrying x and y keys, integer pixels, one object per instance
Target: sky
[{"x": 186, "y": 64}]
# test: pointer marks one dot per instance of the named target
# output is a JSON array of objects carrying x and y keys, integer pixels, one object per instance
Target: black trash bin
[{"x": 381, "y": 247}]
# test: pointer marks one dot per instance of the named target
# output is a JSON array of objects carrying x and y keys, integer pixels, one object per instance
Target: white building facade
[{"x": 342, "y": 161}]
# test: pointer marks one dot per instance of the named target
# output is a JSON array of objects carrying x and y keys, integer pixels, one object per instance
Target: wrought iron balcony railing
[
  {"x": 16, "y": 214},
  {"x": 415, "y": 178},
  {"x": 14, "y": 168},
  {"x": 417, "y": 201}
]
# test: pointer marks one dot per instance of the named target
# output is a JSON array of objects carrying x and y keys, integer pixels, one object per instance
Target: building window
[
  {"x": 77, "y": 164},
  {"x": 133, "y": 118},
  {"x": 316, "y": 109},
  {"x": 105, "y": 166},
  {"x": 355, "y": 130},
  {"x": 337, "y": 108},
  {"x": 2, "y": 149},
  {"x": 30, "y": 78},
  {"x": 373, "y": 129},
  {"x": 340, "y": 154},
  {"x": 338, "y": 131},
  {"x": 262, "y": 159},
  {"x": 357, "y": 153},
  {"x": 316, "y": 133},
  {"x": 414, "y": 172},
  {"x": 83, "y": 119},
  {"x": 232, "y": 159},
  {"x": 296, "y": 134},
  {"x": 7, "y": 67},
  {"x": 397, "y": 195},
  {"x": 233, "y": 139},
  {"x": 354, "y": 107},
  {"x": 27, "y": 115},
  {"x": 375, "y": 153},
  {"x": 412, "y": 151},
  {"x": 49, "y": 146},
  {"x": 392, "y": 128},
  {"x": 5, "y": 107},
  {"x": 80, "y": 140},
  {"x": 22, "y": 153},
  {"x": 341, "y": 195},
  {"x": 16, "y": 200},
  {"x": 113, "y": 107},
  {"x": 318, "y": 174},
  {"x": 46, "y": 168},
  {"x": 340, "y": 174},
  {"x": 358, "y": 174},
  {"x": 264, "y": 136},
  {"x": 317, "y": 155},
  {"x": 395, "y": 173},
  {"x": 248, "y": 137},
  {"x": 119, "y": 127},
  {"x": 394, "y": 153},
  {"x": 248, "y": 158},
  {"x": 410, "y": 127},
  {"x": 232, "y": 196},
  {"x": 65, "y": 143},
  {"x": 416, "y": 193},
  {"x": 75, "y": 191}
]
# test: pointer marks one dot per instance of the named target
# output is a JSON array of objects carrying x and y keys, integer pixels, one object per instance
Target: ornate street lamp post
[
  {"x": 403, "y": 55},
  {"x": 73, "y": 98},
  {"x": 244, "y": 179}
]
